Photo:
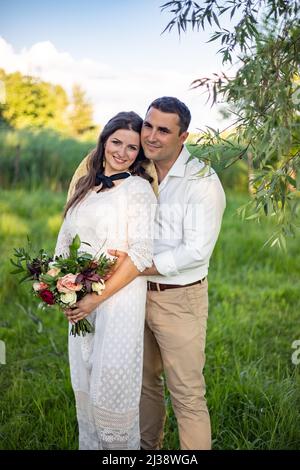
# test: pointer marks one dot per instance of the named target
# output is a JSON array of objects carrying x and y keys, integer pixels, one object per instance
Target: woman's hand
[
  {"x": 85, "y": 306},
  {"x": 120, "y": 255},
  {"x": 82, "y": 308}
]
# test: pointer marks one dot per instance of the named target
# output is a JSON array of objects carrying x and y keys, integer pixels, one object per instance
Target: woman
[{"x": 112, "y": 208}]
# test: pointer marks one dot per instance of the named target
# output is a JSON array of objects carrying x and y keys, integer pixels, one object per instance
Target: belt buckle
[{"x": 153, "y": 286}]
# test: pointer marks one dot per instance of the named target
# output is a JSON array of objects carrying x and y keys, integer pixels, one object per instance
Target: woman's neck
[{"x": 112, "y": 172}]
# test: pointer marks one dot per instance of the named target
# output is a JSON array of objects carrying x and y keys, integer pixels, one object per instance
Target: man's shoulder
[
  {"x": 197, "y": 170},
  {"x": 202, "y": 180},
  {"x": 194, "y": 165}
]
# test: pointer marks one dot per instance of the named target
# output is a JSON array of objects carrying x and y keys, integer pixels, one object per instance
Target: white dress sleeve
[
  {"x": 64, "y": 240},
  {"x": 141, "y": 212}
]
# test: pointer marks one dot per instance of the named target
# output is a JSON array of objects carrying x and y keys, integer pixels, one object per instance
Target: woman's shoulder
[
  {"x": 140, "y": 182},
  {"x": 140, "y": 185}
]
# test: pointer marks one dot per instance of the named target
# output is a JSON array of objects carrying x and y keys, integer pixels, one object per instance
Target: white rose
[
  {"x": 98, "y": 287},
  {"x": 69, "y": 298}
]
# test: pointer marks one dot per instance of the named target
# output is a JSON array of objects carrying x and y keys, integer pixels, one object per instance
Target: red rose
[{"x": 47, "y": 296}]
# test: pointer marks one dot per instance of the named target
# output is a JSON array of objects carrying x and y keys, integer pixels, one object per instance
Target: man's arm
[
  {"x": 150, "y": 271},
  {"x": 80, "y": 171},
  {"x": 201, "y": 226},
  {"x": 202, "y": 223}
]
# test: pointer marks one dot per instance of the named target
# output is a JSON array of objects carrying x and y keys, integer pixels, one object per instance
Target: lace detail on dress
[
  {"x": 87, "y": 342},
  {"x": 140, "y": 259},
  {"x": 141, "y": 213},
  {"x": 101, "y": 429},
  {"x": 64, "y": 240}
]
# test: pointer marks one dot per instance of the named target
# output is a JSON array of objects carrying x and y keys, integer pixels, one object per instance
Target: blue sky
[{"x": 129, "y": 61}]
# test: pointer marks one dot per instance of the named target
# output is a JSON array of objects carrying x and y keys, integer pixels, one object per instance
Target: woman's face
[{"x": 121, "y": 150}]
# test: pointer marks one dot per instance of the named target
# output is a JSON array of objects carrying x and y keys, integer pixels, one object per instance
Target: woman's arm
[
  {"x": 125, "y": 273},
  {"x": 140, "y": 250}
]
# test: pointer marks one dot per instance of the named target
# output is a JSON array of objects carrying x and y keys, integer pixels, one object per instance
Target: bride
[{"x": 112, "y": 207}]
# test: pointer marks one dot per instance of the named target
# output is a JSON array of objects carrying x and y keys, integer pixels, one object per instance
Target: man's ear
[{"x": 183, "y": 137}]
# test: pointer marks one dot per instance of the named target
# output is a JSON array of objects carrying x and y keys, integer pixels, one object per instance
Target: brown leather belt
[{"x": 155, "y": 286}]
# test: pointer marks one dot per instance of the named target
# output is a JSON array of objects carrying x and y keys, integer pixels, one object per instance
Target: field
[{"x": 252, "y": 384}]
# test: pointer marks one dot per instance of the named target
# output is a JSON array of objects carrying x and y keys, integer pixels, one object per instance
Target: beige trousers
[{"x": 175, "y": 332}]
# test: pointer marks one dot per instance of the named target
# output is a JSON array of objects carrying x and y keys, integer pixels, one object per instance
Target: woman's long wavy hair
[{"x": 123, "y": 120}]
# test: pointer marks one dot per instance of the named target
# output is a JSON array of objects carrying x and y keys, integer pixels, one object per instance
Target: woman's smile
[{"x": 119, "y": 160}]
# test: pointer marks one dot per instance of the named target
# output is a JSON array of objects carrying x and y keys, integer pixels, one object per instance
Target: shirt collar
[{"x": 179, "y": 166}]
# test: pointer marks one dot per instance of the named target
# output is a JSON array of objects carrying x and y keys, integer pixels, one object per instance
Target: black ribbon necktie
[{"x": 108, "y": 181}]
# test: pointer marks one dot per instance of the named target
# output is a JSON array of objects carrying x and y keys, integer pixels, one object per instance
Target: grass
[
  {"x": 31, "y": 158},
  {"x": 252, "y": 384}
]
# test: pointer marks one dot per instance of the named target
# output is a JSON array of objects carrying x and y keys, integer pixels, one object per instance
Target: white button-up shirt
[{"x": 187, "y": 222}]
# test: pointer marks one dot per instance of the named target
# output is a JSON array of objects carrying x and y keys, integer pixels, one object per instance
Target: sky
[{"x": 113, "y": 49}]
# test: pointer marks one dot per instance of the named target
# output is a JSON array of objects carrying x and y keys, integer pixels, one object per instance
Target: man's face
[{"x": 160, "y": 136}]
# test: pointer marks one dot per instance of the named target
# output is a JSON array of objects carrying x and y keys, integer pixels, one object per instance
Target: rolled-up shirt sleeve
[{"x": 203, "y": 211}]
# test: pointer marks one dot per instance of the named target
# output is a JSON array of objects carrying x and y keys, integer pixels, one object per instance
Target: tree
[
  {"x": 3, "y": 121},
  {"x": 263, "y": 97},
  {"x": 81, "y": 115},
  {"x": 32, "y": 102}
]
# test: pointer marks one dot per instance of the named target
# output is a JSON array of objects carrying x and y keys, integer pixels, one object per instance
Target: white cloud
[{"x": 110, "y": 90}]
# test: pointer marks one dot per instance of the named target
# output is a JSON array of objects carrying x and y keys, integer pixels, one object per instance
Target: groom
[{"x": 188, "y": 222}]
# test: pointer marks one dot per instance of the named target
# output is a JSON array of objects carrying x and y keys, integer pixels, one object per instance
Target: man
[
  {"x": 187, "y": 227},
  {"x": 188, "y": 224}
]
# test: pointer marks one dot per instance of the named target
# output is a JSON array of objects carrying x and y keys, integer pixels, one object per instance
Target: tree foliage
[
  {"x": 31, "y": 102},
  {"x": 81, "y": 114},
  {"x": 262, "y": 98}
]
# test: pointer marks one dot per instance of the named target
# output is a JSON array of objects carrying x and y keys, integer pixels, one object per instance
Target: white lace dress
[{"x": 106, "y": 367}]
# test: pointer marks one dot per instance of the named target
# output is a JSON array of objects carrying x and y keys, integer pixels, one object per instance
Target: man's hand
[
  {"x": 150, "y": 271},
  {"x": 82, "y": 308}
]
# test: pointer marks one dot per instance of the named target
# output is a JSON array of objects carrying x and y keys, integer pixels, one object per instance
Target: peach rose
[
  {"x": 67, "y": 283},
  {"x": 37, "y": 286}
]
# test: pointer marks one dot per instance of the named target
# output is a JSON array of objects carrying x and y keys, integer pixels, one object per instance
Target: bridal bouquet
[{"x": 64, "y": 281}]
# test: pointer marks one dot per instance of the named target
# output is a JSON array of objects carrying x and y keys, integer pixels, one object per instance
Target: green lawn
[{"x": 252, "y": 385}]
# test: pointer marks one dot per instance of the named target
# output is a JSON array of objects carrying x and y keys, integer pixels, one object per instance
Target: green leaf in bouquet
[
  {"x": 19, "y": 262},
  {"x": 22, "y": 254},
  {"x": 17, "y": 271},
  {"x": 85, "y": 257},
  {"x": 74, "y": 247},
  {"x": 86, "y": 243},
  {"x": 26, "y": 278},
  {"x": 48, "y": 279},
  {"x": 21, "y": 268},
  {"x": 17, "y": 265}
]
